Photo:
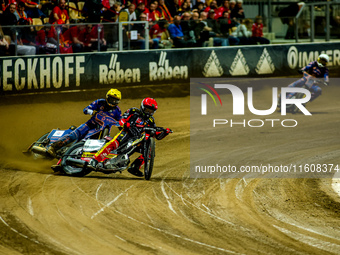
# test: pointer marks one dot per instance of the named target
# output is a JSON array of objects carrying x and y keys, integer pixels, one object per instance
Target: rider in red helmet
[{"x": 133, "y": 122}]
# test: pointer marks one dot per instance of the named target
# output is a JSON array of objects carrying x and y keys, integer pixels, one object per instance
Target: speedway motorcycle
[
  {"x": 292, "y": 108},
  {"x": 38, "y": 149},
  {"x": 75, "y": 161}
]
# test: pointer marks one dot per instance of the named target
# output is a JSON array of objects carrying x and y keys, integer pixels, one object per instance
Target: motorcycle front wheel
[
  {"x": 149, "y": 156},
  {"x": 74, "y": 152}
]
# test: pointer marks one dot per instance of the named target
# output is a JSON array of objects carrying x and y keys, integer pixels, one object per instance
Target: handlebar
[
  {"x": 316, "y": 80},
  {"x": 157, "y": 129},
  {"x": 101, "y": 117}
]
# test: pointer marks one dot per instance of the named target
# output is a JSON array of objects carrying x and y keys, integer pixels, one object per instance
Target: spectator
[
  {"x": 131, "y": 12},
  {"x": 232, "y": 5},
  {"x": 26, "y": 35},
  {"x": 141, "y": 9},
  {"x": 33, "y": 9},
  {"x": 185, "y": 7},
  {"x": 153, "y": 43},
  {"x": 177, "y": 35},
  {"x": 188, "y": 33},
  {"x": 227, "y": 25},
  {"x": 21, "y": 14},
  {"x": 71, "y": 36},
  {"x": 4, "y": 45},
  {"x": 201, "y": 29},
  {"x": 212, "y": 6},
  {"x": 154, "y": 15},
  {"x": 237, "y": 12},
  {"x": 222, "y": 9},
  {"x": 24, "y": 49},
  {"x": 257, "y": 31},
  {"x": 215, "y": 33},
  {"x": 2, "y": 8},
  {"x": 59, "y": 14},
  {"x": 160, "y": 31},
  {"x": 287, "y": 16},
  {"x": 111, "y": 13},
  {"x": 199, "y": 7},
  {"x": 94, "y": 37},
  {"x": 164, "y": 11},
  {"x": 197, "y": 26},
  {"x": 11, "y": 19},
  {"x": 47, "y": 39},
  {"x": 244, "y": 33},
  {"x": 174, "y": 8}
]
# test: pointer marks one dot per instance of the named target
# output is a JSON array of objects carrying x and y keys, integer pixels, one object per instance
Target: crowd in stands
[{"x": 172, "y": 23}]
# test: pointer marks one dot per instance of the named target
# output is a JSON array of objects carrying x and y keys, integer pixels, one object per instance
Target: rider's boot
[
  {"x": 135, "y": 172},
  {"x": 54, "y": 147},
  {"x": 135, "y": 166}
]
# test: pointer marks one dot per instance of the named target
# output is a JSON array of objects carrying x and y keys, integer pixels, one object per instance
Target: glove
[
  {"x": 163, "y": 134},
  {"x": 168, "y": 131},
  {"x": 91, "y": 112}
]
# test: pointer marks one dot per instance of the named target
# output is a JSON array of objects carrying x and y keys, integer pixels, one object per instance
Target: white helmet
[{"x": 323, "y": 59}]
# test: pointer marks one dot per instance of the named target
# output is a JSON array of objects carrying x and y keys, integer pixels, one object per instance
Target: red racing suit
[{"x": 133, "y": 122}]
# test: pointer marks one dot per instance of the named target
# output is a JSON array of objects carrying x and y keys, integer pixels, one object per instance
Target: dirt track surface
[{"x": 43, "y": 213}]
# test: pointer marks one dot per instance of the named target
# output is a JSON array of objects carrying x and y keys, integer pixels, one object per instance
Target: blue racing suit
[
  {"x": 99, "y": 105},
  {"x": 312, "y": 69}
]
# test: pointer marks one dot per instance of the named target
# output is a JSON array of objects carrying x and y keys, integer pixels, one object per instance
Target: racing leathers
[
  {"x": 312, "y": 70},
  {"x": 99, "y": 105},
  {"x": 133, "y": 122}
]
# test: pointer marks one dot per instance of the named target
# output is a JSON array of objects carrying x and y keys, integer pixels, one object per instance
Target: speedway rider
[
  {"x": 133, "y": 122},
  {"x": 108, "y": 106},
  {"x": 315, "y": 69}
]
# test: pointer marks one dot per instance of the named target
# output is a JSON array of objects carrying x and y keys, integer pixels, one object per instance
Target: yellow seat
[
  {"x": 46, "y": 20},
  {"x": 37, "y": 21},
  {"x": 81, "y": 5},
  {"x": 80, "y": 8},
  {"x": 73, "y": 11}
]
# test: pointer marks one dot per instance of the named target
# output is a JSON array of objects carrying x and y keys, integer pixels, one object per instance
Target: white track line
[
  {"x": 212, "y": 215},
  {"x": 110, "y": 203},
  {"x": 30, "y": 207},
  {"x": 167, "y": 197}
]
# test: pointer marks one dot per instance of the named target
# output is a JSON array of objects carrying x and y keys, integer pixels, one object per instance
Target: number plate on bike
[{"x": 93, "y": 145}]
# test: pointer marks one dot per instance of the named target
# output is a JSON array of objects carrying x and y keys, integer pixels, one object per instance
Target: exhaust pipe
[
  {"x": 76, "y": 162},
  {"x": 39, "y": 150}
]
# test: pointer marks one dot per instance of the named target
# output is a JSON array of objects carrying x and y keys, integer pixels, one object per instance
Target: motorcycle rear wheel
[
  {"x": 74, "y": 152},
  {"x": 295, "y": 109},
  {"x": 149, "y": 156}
]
